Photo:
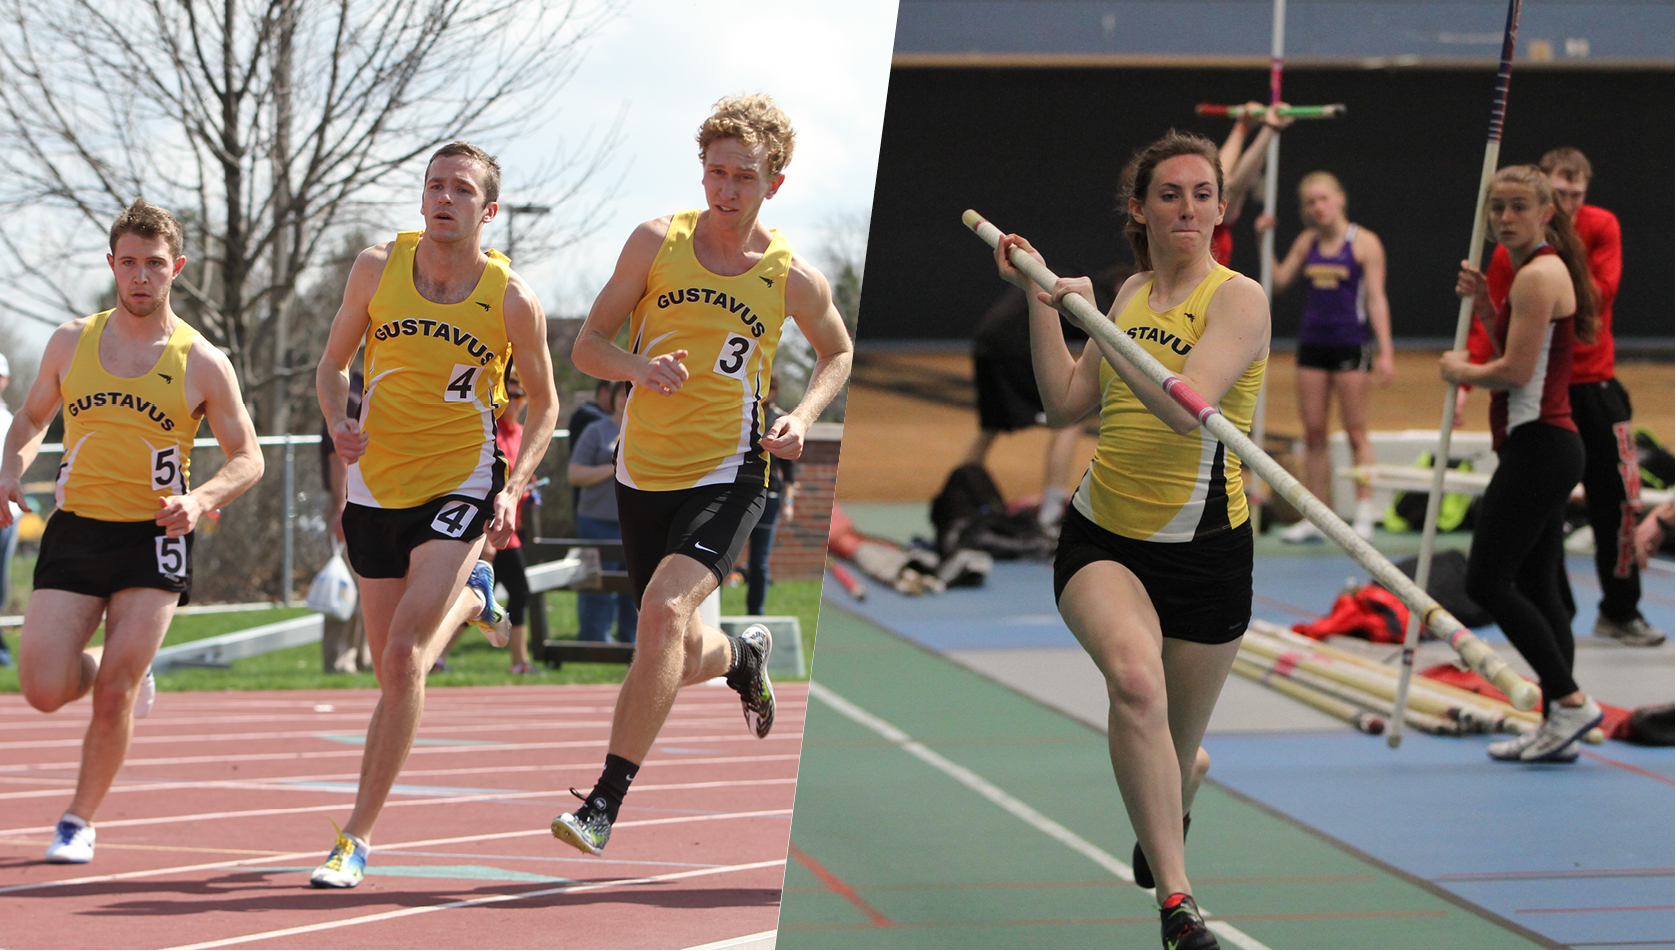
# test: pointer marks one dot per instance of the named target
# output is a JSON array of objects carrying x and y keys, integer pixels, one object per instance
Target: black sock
[
  {"x": 613, "y": 785},
  {"x": 736, "y": 668}
]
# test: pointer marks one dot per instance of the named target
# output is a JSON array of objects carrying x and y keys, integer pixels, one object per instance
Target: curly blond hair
[{"x": 752, "y": 120}]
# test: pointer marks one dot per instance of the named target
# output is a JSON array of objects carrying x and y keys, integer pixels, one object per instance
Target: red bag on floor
[{"x": 1371, "y": 613}]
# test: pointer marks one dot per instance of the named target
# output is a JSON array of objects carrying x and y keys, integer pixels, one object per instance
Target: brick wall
[{"x": 800, "y": 545}]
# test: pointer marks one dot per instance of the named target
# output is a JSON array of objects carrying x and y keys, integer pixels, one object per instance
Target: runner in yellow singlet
[
  {"x": 439, "y": 319},
  {"x": 705, "y": 294},
  {"x": 134, "y": 382},
  {"x": 1153, "y": 572}
]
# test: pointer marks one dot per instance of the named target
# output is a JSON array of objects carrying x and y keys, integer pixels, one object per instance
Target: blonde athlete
[
  {"x": 1153, "y": 572},
  {"x": 440, "y": 319},
  {"x": 133, "y": 381},
  {"x": 705, "y": 294}
]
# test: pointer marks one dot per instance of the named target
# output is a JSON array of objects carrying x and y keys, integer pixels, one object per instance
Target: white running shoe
[
  {"x": 146, "y": 696},
  {"x": 1366, "y": 516},
  {"x": 1302, "y": 532},
  {"x": 1561, "y": 729},
  {"x": 72, "y": 844},
  {"x": 1635, "y": 632}
]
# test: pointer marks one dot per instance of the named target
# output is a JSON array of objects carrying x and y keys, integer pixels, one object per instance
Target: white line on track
[
  {"x": 1000, "y": 797},
  {"x": 287, "y": 783},
  {"x": 417, "y": 843},
  {"x": 394, "y": 803},
  {"x": 474, "y": 902},
  {"x": 418, "y": 750}
]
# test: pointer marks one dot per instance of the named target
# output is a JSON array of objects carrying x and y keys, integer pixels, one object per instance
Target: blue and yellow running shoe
[
  {"x": 346, "y": 865},
  {"x": 493, "y": 621}
]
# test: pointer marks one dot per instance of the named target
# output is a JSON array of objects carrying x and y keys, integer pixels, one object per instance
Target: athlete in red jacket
[{"x": 1599, "y": 406}]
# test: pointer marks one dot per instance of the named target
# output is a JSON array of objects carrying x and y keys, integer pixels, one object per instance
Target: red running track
[{"x": 226, "y": 802}]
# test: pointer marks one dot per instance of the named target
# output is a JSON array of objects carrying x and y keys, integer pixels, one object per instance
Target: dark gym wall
[{"x": 1038, "y": 151}]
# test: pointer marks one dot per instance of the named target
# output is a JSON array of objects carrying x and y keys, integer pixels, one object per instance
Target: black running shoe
[
  {"x": 751, "y": 681},
  {"x": 587, "y": 828},
  {"x": 1183, "y": 926},
  {"x": 1137, "y": 859}
]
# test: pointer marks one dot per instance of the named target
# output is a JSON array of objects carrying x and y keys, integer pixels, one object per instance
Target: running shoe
[
  {"x": 1183, "y": 926},
  {"x": 1508, "y": 751},
  {"x": 1366, "y": 516},
  {"x": 1562, "y": 727},
  {"x": 522, "y": 669},
  {"x": 493, "y": 621},
  {"x": 588, "y": 828},
  {"x": 1137, "y": 858},
  {"x": 345, "y": 866},
  {"x": 751, "y": 682},
  {"x": 1635, "y": 632},
  {"x": 146, "y": 696},
  {"x": 1301, "y": 533},
  {"x": 72, "y": 844}
]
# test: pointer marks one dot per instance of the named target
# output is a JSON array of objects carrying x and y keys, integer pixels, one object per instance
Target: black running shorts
[
  {"x": 98, "y": 558},
  {"x": 1336, "y": 359},
  {"x": 708, "y": 523},
  {"x": 1201, "y": 589}
]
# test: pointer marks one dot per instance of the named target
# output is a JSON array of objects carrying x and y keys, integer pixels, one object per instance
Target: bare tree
[{"x": 271, "y": 128}]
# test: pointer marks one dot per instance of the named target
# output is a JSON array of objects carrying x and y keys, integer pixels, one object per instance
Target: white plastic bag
[{"x": 333, "y": 589}]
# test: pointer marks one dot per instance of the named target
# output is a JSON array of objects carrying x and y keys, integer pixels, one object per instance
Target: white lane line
[
  {"x": 433, "y": 801},
  {"x": 762, "y": 939},
  {"x": 1008, "y": 802},
  {"x": 283, "y": 783},
  {"x": 280, "y": 857},
  {"x": 424, "y": 750},
  {"x": 474, "y": 902}
]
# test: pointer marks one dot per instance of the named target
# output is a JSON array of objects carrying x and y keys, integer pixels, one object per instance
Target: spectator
[
  {"x": 592, "y": 471},
  {"x": 343, "y": 644},
  {"x": 782, "y": 492}
]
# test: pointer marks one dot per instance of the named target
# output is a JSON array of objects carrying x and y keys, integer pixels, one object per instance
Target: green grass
[{"x": 474, "y": 662}]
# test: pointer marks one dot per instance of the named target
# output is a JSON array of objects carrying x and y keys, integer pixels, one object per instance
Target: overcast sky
[{"x": 661, "y": 64}]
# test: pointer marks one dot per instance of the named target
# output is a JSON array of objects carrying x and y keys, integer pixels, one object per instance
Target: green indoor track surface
[{"x": 891, "y": 852}]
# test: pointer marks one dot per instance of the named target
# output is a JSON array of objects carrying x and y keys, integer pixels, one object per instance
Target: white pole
[{"x": 1463, "y": 323}]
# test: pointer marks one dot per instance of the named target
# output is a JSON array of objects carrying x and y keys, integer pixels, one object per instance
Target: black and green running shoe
[
  {"x": 1183, "y": 926},
  {"x": 588, "y": 828},
  {"x": 751, "y": 680}
]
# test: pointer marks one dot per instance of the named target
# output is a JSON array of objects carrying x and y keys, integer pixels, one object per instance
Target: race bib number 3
[
  {"x": 735, "y": 356},
  {"x": 171, "y": 556},
  {"x": 453, "y": 518},
  {"x": 462, "y": 384}
]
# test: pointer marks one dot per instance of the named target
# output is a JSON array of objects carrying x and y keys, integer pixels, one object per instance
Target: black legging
[
  {"x": 1518, "y": 546},
  {"x": 509, "y": 571}
]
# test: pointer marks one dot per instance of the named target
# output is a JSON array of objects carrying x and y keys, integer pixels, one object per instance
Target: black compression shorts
[
  {"x": 708, "y": 523},
  {"x": 99, "y": 558}
]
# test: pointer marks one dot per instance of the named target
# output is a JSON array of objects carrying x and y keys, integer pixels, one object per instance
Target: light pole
[{"x": 512, "y": 213}]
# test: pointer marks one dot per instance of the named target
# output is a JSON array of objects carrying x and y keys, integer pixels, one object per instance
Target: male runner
[
  {"x": 133, "y": 381},
  {"x": 440, "y": 318},
  {"x": 706, "y": 293},
  {"x": 1600, "y": 406}
]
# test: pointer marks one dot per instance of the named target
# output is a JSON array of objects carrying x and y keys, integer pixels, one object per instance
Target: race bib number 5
[
  {"x": 171, "y": 556},
  {"x": 735, "y": 356},
  {"x": 453, "y": 518},
  {"x": 165, "y": 469}
]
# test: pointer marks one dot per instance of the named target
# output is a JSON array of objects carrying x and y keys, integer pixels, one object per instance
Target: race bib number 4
[
  {"x": 453, "y": 518},
  {"x": 171, "y": 556},
  {"x": 462, "y": 384},
  {"x": 735, "y": 356}
]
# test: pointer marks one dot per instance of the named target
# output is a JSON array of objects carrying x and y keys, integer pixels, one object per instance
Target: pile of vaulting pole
[
  {"x": 1366, "y": 689},
  {"x": 1115, "y": 344},
  {"x": 1463, "y": 323}
]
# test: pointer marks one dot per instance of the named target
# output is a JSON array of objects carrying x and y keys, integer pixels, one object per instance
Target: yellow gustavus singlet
[
  {"x": 710, "y": 430},
  {"x": 434, "y": 387},
  {"x": 127, "y": 440},
  {"x": 1146, "y": 481}
]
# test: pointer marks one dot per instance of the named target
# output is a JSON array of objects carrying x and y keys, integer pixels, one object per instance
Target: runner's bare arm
[
  {"x": 526, "y": 330},
  {"x": 349, "y": 328},
  {"x": 29, "y": 425},
  {"x": 1236, "y": 334},
  {"x": 213, "y": 389},
  {"x": 1069, "y": 387},
  {"x": 596, "y": 352},
  {"x": 1372, "y": 258},
  {"x": 1286, "y": 269},
  {"x": 1538, "y": 291},
  {"x": 809, "y": 302}
]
